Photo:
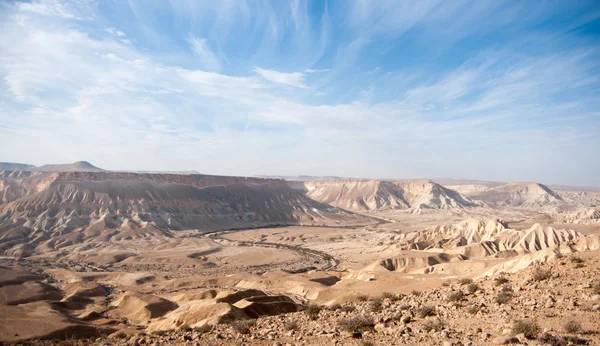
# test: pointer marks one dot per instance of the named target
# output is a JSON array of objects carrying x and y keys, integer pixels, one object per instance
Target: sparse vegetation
[
  {"x": 403, "y": 307},
  {"x": 426, "y": 311},
  {"x": 435, "y": 324},
  {"x": 579, "y": 265},
  {"x": 503, "y": 297},
  {"x": 572, "y": 327},
  {"x": 416, "y": 293},
  {"x": 465, "y": 281},
  {"x": 472, "y": 288},
  {"x": 205, "y": 328},
  {"x": 367, "y": 343},
  {"x": 596, "y": 288},
  {"x": 313, "y": 311},
  {"x": 473, "y": 309},
  {"x": 456, "y": 296},
  {"x": 243, "y": 326},
  {"x": 576, "y": 259},
  {"x": 121, "y": 335},
  {"x": 541, "y": 274},
  {"x": 354, "y": 324},
  {"x": 446, "y": 283},
  {"x": 501, "y": 280},
  {"x": 362, "y": 298},
  {"x": 334, "y": 307},
  {"x": 375, "y": 305},
  {"x": 291, "y": 325},
  {"x": 529, "y": 328},
  {"x": 390, "y": 296}
]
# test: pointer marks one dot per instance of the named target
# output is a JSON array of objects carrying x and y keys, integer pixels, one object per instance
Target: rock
[
  {"x": 549, "y": 304},
  {"x": 447, "y": 343},
  {"x": 444, "y": 334}
]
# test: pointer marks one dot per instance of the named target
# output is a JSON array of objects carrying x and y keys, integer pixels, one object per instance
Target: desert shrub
[
  {"x": 347, "y": 308},
  {"x": 562, "y": 340},
  {"x": 185, "y": 327},
  {"x": 529, "y": 328},
  {"x": 121, "y": 335},
  {"x": 503, "y": 297},
  {"x": 358, "y": 323},
  {"x": 596, "y": 288},
  {"x": 362, "y": 298},
  {"x": 473, "y": 309},
  {"x": 425, "y": 311},
  {"x": 446, "y": 283},
  {"x": 456, "y": 296},
  {"x": 465, "y": 281},
  {"x": 579, "y": 265},
  {"x": 367, "y": 343},
  {"x": 243, "y": 326},
  {"x": 541, "y": 274},
  {"x": 572, "y": 327},
  {"x": 472, "y": 288},
  {"x": 205, "y": 328},
  {"x": 390, "y": 296},
  {"x": 403, "y": 307},
  {"x": 375, "y": 305},
  {"x": 501, "y": 280},
  {"x": 334, "y": 307},
  {"x": 435, "y": 324},
  {"x": 576, "y": 259},
  {"x": 416, "y": 293},
  {"x": 291, "y": 325},
  {"x": 313, "y": 311}
]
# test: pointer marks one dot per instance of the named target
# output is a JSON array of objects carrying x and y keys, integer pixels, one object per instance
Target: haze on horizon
[{"x": 501, "y": 91}]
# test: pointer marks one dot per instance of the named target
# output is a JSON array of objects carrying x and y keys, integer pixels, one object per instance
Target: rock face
[
  {"x": 369, "y": 195},
  {"x": 527, "y": 195},
  {"x": 43, "y": 211},
  {"x": 478, "y": 239}
]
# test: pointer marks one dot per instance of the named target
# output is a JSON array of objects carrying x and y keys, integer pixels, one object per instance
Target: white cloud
[
  {"x": 207, "y": 58},
  {"x": 115, "y": 32},
  {"x": 295, "y": 79}
]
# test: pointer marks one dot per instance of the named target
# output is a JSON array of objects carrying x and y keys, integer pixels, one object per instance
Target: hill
[
  {"x": 11, "y": 166},
  {"x": 79, "y": 166},
  {"x": 368, "y": 195}
]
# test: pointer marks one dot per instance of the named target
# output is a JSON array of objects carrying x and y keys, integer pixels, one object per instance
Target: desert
[{"x": 91, "y": 256}]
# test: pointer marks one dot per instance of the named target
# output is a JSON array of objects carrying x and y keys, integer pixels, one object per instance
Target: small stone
[{"x": 505, "y": 340}]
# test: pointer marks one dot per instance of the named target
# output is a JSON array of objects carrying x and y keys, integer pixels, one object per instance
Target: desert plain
[{"x": 95, "y": 257}]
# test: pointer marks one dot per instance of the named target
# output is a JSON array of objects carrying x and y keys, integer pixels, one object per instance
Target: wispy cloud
[
  {"x": 238, "y": 95},
  {"x": 207, "y": 58},
  {"x": 295, "y": 79}
]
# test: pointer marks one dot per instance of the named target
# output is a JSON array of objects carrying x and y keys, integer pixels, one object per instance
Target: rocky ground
[{"x": 554, "y": 303}]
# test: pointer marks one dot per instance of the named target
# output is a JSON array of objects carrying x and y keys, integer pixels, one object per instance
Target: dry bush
[
  {"x": 367, "y": 343},
  {"x": 121, "y": 335},
  {"x": 313, "y": 311},
  {"x": 472, "y": 288},
  {"x": 435, "y": 324},
  {"x": 596, "y": 288},
  {"x": 291, "y": 325},
  {"x": 465, "y": 281},
  {"x": 362, "y": 298},
  {"x": 473, "y": 309},
  {"x": 446, "y": 283},
  {"x": 562, "y": 340},
  {"x": 243, "y": 326},
  {"x": 456, "y": 296},
  {"x": 355, "y": 324},
  {"x": 390, "y": 296},
  {"x": 503, "y": 297},
  {"x": 185, "y": 327},
  {"x": 347, "y": 308},
  {"x": 334, "y": 307},
  {"x": 572, "y": 327},
  {"x": 205, "y": 328},
  {"x": 579, "y": 265},
  {"x": 375, "y": 305},
  {"x": 529, "y": 328},
  {"x": 501, "y": 280},
  {"x": 541, "y": 274},
  {"x": 416, "y": 293},
  {"x": 426, "y": 311},
  {"x": 576, "y": 259}
]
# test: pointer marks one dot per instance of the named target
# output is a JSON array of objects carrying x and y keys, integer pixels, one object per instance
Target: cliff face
[{"x": 41, "y": 206}]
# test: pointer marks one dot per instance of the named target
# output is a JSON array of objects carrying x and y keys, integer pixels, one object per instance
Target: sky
[{"x": 489, "y": 90}]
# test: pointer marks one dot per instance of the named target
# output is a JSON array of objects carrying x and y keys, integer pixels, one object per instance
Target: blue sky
[{"x": 494, "y": 90}]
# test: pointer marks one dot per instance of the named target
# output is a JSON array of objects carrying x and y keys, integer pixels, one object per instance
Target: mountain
[
  {"x": 368, "y": 195},
  {"x": 79, "y": 166},
  {"x": 519, "y": 194},
  {"x": 45, "y": 211},
  {"x": 10, "y": 166}
]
